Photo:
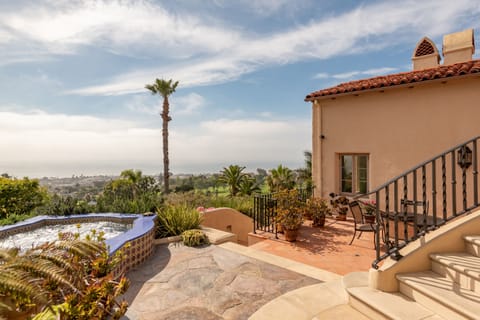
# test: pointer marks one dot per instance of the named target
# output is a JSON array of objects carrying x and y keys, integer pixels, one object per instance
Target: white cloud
[
  {"x": 347, "y": 33},
  {"x": 321, "y": 75},
  {"x": 346, "y": 75},
  {"x": 41, "y": 144},
  {"x": 248, "y": 141},
  {"x": 121, "y": 26},
  {"x": 187, "y": 105},
  {"x": 141, "y": 104},
  {"x": 354, "y": 74},
  {"x": 272, "y": 7},
  {"x": 379, "y": 71},
  {"x": 179, "y": 105}
]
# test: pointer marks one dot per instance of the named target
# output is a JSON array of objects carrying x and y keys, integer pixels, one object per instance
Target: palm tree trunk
[{"x": 166, "y": 118}]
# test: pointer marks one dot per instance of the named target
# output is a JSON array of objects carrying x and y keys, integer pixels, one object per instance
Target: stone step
[
  {"x": 460, "y": 267},
  {"x": 440, "y": 294},
  {"x": 472, "y": 245},
  {"x": 305, "y": 304},
  {"x": 377, "y": 304},
  {"x": 343, "y": 311}
]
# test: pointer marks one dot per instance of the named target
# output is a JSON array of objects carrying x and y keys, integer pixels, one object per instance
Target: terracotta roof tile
[{"x": 454, "y": 70}]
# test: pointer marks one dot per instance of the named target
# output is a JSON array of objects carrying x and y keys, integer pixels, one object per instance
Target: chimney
[
  {"x": 458, "y": 47},
  {"x": 425, "y": 55}
]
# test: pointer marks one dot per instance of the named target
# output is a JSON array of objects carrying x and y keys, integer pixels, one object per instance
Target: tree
[
  {"x": 249, "y": 185},
  {"x": 281, "y": 178},
  {"x": 19, "y": 197},
  {"x": 305, "y": 173},
  {"x": 132, "y": 193},
  {"x": 165, "y": 89},
  {"x": 233, "y": 177}
]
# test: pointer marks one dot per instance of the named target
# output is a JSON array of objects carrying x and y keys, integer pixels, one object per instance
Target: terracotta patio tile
[{"x": 326, "y": 248}]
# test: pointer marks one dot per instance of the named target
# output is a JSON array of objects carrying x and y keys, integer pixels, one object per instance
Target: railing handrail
[
  {"x": 401, "y": 226},
  {"x": 264, "y": 215}
]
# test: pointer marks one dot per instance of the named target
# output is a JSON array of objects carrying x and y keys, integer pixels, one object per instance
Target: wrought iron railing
[
  {"x": 265, "y": 210},
  {"x": 425, "y": 198}
]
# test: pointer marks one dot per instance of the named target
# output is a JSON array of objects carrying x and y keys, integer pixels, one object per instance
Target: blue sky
[{"x": 72, "y": 76}]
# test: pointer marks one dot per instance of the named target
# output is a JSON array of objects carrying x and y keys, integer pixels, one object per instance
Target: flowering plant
[
  {"x": 290, "y": 210},
  {"x": 369, "y": 206},
  {"x": 339, "y": 203}
]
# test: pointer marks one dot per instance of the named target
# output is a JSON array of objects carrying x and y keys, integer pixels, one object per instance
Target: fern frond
[
  {"x": 43, "y": 269},
  {"x": 81, "y": 248},
  {"x": 55, "y": 259},
  {"x": 8, "y": 254},
  {"x": 14, "y": 285}
]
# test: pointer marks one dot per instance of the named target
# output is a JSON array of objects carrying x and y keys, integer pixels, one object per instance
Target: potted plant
[
  {"x": 369, "y": 207},
  {"x": 289, "y": 213},
  {"x": 318, "y": 209},
  {"x": 340, "y": 206}
]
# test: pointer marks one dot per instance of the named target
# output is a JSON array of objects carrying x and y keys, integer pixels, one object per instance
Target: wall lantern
[{"x": 464, "y": 155}]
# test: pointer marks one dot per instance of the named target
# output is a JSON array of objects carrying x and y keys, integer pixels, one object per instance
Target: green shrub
[
  {"x": 14, "y": 218},
  {"x": 191, "y": 199},
  {"x": 244, "y": 204},
  {"x": 173, "y": 220},
  {"x": 194, "y": 238},
  {"x": 20, "y": 196}
]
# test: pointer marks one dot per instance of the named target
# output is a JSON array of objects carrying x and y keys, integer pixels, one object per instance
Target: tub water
[{"x": 44, "y": 234}]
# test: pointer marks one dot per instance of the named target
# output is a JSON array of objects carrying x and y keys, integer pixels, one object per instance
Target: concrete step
[
  {"x": 307, "y": 303},
  {"x": 472, "y": 245},
  {"x": 440, "y": 294},
  {"x": 343, "y": 311},
  {"x": 376, "y": 304},
  {"x": 460, "y": 267}
]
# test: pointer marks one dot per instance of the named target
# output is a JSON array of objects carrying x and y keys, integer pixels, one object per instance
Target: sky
[{"x": 73, "y": 75}]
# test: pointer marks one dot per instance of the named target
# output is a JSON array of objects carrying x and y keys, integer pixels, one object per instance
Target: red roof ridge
[{"x": 390, "y": 80}]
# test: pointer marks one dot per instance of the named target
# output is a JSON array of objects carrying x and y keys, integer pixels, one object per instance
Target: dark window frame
[{"x": 358, "y": 182}]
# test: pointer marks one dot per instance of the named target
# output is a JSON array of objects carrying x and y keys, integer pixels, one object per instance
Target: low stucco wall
[
  {"x": 416, "y": 256},
  {"x": 229, "y": 220}
]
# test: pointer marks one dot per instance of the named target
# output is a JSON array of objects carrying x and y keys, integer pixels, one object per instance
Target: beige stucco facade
[{"x": 398, "y": 127}]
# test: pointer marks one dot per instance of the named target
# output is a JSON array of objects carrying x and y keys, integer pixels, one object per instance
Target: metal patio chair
[{"x": 359, "y": 221}]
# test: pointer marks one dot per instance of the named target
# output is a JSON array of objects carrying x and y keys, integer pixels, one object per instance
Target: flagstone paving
[{"x": 180, "y": 282}]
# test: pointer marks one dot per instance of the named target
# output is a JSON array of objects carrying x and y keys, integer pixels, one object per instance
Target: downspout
[{"x": 317, "y": 146}]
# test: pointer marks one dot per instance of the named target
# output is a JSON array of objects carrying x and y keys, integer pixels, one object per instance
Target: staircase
[{"x": 449, "y": 290}]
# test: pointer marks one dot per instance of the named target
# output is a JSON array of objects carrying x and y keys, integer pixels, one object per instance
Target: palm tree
[
  {"x": 281, "y": 178},
  {"x": 165, "y": 89},
  {"x": 249, "y": 186},
  {"x": 305, "y": 173},
  {"x": 132, "y": 178},
  {"x": 233, "y": 177}
]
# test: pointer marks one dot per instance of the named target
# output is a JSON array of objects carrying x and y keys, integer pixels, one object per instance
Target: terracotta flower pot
[
  {"x": 342, "y": 217},
  {"x": 369, "y": 219},
  {"x": 279, "y": 227},
  {"x": 290, "y": 235},
  {"x": 319, "y": 222}
]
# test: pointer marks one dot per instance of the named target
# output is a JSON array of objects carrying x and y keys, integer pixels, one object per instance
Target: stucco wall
[
  {"x": 398, "y": 127},
  {"x": 229, "y": 220}
]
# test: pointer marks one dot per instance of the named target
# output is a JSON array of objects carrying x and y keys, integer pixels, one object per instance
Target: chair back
[
  {"x": 356, "y": 211},
  {"x": 408, "y": 206}
]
